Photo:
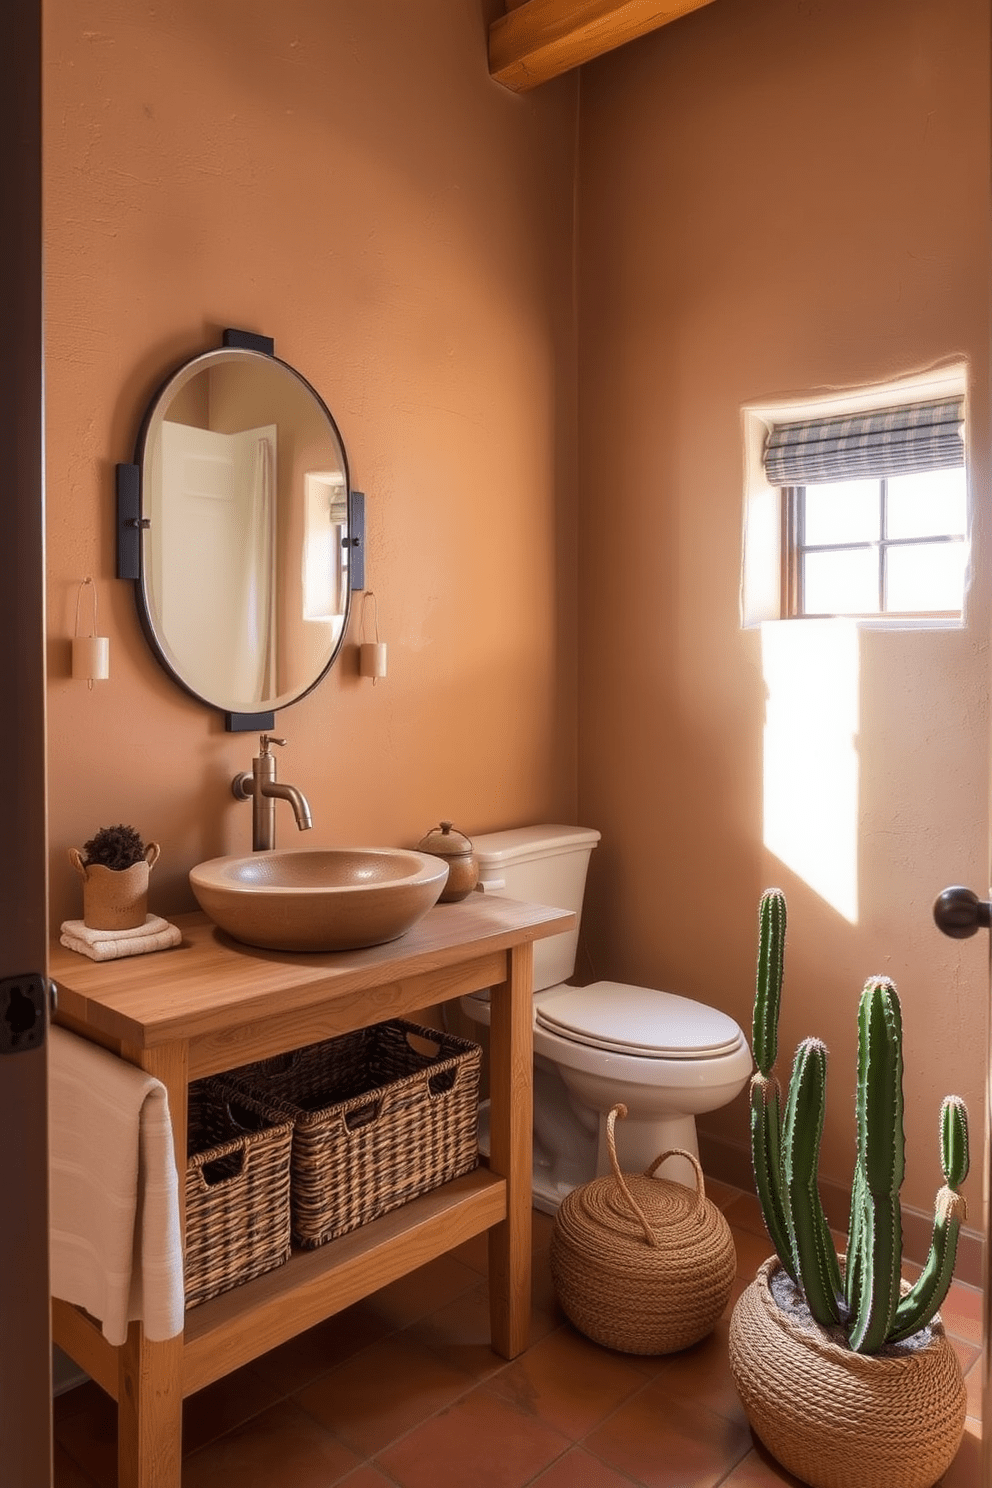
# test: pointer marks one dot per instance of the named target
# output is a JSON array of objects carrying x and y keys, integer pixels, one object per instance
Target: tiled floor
[{"x": 403, "y": 1389}]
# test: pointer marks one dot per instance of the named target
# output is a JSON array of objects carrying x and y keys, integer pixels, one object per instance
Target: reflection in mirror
[{"x": 245, "y": 581}]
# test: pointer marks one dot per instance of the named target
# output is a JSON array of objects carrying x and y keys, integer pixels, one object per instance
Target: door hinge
[{"x": 25, "y": 1002}]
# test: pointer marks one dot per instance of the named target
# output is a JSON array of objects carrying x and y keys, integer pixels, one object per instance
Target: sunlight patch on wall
[{"x": 811, "y": 764}]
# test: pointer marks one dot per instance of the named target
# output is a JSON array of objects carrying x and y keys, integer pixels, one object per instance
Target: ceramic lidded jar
[{"x": 456, "y": 850}]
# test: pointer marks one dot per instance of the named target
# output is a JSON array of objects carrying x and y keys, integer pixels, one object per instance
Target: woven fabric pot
[
  {"x": 838, "y": 1419},
  {"x": 115, "y": 898},
  {"x": 642, "y": 1264}
]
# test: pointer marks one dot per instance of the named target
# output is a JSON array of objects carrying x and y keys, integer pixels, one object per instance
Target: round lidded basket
[{"x": 642, "y": 1264}]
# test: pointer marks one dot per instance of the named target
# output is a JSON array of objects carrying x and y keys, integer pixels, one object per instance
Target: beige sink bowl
[{"x": 321, "y": 899}]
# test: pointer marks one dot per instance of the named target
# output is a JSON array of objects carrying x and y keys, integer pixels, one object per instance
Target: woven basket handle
[{"x": 621, "y": 1110}]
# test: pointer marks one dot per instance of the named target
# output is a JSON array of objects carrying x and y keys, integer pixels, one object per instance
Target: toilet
[{"x": 666, "y": 1057}]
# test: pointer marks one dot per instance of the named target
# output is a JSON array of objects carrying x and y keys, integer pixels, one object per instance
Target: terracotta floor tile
[
  {"x": 71, "y": 1402},
  {"x": 759, "y": 1470},
  {"x": 966, "y": 1469},
  {"x": 744, "y": 1213},
  {"x": 422, "y": 1291},
  {"x": 313, "y": 1353},
  {"x": 65, "y": 1473},
  {"x": 567, "y": 1381},
  {"x": 479, "y": 1442},
  {"x": 474, "y": 1253},
  {"x": 542, "y": 1226},
  {"x": 382, "y": 1392},
  {"x": 580, "y": 1469},
  {"x": 460, "y": 1333},
  {"x": 89, "y": 1436},
  {"x": 542, "y": 1287},
  {"x": 365, "y": 1476},
  {"x": 702, "y": 1374},
  {"x": 752, "y": 1251},
  {"x": 223, "y": 1405},
  {"x": 970, "y": 1358},
  {"x": 721, "y": 1194},
  {"x": 667, "y": 1442},
  {"x": 281, "y": 1448},
  {"x": 962, "y": 1312}
]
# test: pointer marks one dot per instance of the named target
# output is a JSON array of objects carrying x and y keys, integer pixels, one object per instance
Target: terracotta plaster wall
[
  {"x": 777, "y": 199},
  {"x": 348, "y": 180}
]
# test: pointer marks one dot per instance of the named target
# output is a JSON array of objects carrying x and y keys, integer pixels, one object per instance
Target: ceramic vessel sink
[{"x": 323, "y": 899}]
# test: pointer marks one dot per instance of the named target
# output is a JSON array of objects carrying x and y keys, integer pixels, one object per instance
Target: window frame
[{"x": 794, "y": 548}]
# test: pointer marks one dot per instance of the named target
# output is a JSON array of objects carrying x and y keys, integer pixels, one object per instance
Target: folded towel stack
[
  {"x": 114, "y": 1191},
  {"x": 155, "y": 934}
]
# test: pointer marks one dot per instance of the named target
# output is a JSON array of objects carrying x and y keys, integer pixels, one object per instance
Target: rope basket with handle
[{"x": 642, "y": 1264}]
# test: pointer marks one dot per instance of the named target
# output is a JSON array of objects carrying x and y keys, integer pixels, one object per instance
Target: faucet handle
[{"x": 266, "y": 740}]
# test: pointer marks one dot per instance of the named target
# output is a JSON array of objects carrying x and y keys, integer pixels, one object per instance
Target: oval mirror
[{"x": 245, "y": 553}]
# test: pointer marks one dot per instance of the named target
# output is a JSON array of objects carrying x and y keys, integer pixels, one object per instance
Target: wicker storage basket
[
  {"x": 237, "y": 1189},
  {"x": 642, "y": 1264},
  {"x": 838, "y": 1419},
  {"x": 380, "y": 1115}
]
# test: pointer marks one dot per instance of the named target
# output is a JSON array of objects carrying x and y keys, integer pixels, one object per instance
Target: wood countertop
[{"x": 210, "y": 984}]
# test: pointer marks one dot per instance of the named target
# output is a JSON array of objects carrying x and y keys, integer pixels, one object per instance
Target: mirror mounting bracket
[
  {"x": 248, "y": 723},
  {"x": 129, "y": 521},
  {"x": 249, "y": 341}
]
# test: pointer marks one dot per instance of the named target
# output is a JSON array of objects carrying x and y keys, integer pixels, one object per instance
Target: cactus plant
[{"x": 865, "y": 1302}]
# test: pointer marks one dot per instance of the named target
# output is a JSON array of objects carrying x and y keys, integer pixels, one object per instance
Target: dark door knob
[{"x": 959, "y": 912}]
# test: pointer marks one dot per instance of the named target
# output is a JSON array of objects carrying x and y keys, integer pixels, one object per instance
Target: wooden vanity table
[{"x": 211, "y": 1005}]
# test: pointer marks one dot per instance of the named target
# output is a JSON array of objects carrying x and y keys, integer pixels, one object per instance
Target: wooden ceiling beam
[{"x": 538, "y": 39}]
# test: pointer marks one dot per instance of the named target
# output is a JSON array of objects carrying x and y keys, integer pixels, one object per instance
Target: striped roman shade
[{"x": 888, "y": 441}]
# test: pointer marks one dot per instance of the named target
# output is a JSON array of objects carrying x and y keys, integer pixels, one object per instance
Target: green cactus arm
[
  {"x": 768, "y": 991},
  {"x": 925, "y": 1298},
  {"x": 954, "y": 1150},
  {"x": 766, "y": 1157},
  {"x": 877, "y": 1297},
  {"x": 809, "y": 1235},
  {"x": 855, "y": 1240},
  {"x": 881, "y": 1160},
  {"x": 881, "y": 1144}
]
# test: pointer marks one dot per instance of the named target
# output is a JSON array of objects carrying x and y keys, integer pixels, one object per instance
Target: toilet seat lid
[{"x": 639, "y": 1020}]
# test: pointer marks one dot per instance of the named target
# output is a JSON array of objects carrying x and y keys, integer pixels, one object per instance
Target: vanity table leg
[
  {"x": 511, "y": 1140},
  {"x": 149, "y": 1412},
  {"x": 150, "y": 1385}
]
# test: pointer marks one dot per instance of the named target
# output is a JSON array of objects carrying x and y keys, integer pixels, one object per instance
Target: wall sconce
[
  {"x": 371, "y": 654},
  {"x": 90, "y": 653}
]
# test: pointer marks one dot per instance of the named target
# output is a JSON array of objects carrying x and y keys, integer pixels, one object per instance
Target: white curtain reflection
[{"x": 258, "y": 574}]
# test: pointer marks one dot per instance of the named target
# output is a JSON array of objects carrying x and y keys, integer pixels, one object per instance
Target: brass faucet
[{"x": 262, "y": 787}]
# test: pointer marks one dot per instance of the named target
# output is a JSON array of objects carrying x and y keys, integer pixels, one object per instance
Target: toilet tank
[{"x": 547, "y": 865}]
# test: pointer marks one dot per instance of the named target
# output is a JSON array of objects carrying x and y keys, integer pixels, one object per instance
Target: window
[{"x": 874, "y": 512}]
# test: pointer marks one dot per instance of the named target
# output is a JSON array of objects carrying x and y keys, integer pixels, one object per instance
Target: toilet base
[
  {"x": 548, "y": 1187},
  {"x": 570, "y": 1146}
]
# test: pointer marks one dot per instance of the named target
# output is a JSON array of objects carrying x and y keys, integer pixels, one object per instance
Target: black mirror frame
[{"x": 131, "y": 521}]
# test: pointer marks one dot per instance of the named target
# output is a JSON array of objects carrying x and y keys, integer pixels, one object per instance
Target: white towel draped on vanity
[{"x": 116, "y": 1248}]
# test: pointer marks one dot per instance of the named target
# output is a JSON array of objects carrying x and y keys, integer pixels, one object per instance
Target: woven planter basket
[
  {"x": 642, "y": 1264},
  {"x": 115, "y": 898},
  {"x": 838, "y": 1419}
]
